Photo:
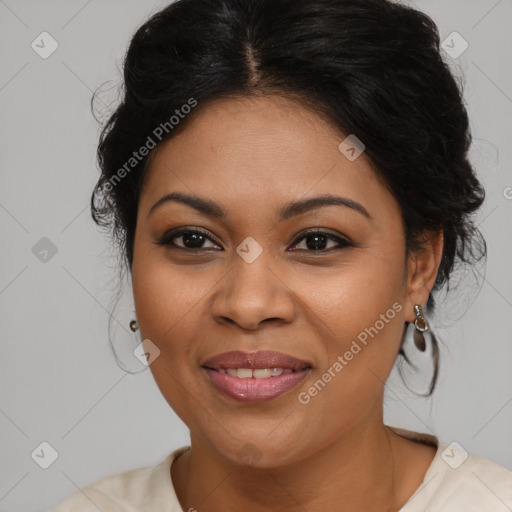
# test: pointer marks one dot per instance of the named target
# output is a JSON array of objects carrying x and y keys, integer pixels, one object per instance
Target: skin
[{"x": 252, "y": 156}]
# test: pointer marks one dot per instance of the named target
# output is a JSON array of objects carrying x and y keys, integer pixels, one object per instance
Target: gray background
[{"x": 59, "y": 380}]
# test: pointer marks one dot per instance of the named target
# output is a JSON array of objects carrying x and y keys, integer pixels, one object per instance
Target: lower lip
[{"x": 256, "y": 390}]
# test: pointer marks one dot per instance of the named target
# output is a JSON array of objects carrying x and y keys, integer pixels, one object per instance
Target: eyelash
[{"x": 166, "y": 240}]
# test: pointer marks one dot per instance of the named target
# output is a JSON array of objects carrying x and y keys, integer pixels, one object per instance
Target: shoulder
[
  {"x": 136, "y": 489},
  {"x": 89, "y": 500},
  {"x": 478, "y": 482},
  {"x": 457, "y": 480}
]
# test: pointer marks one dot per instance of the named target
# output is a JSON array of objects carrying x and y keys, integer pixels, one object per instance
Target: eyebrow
[{"x": 212, "y": 209}]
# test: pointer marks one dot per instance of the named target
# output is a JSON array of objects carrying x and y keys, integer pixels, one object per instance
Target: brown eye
[
  {"x": 192, "y": 239},
  {"x": 316, "y": 241}
]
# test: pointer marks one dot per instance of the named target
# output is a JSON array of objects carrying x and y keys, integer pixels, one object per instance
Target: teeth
[
  {"x": 244, "y": 373},
  {"x": 261, "y": 373},
  {"x": 257, "y": 373}
]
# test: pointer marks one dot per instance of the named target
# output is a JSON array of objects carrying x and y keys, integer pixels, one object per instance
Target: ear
[{"x": 422, "y": 267}]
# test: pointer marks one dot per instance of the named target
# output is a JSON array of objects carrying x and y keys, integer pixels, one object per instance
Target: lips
[
  {"x": 253, "y": 377},
  {"x": 255, "y": 360}
]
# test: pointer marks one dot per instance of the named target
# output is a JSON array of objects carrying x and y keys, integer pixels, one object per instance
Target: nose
[{"x": 253, "y": 293}]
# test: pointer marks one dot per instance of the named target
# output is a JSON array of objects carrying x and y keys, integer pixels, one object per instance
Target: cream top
[{"x": 455, "y": 481}]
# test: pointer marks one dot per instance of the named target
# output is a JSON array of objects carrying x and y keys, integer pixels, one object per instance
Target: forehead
[{"x": 259, "y": 148}]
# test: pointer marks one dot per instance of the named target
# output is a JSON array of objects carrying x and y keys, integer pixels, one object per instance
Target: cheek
[
  {"x": 165, "y": 294},
  {"x": 166, "y": 304},
  {"x": 360, "y": 321},
  {"x": 360, "y": 311},
  {"x": 172, "y": 306},
  {"x": 351, "y": 310}
]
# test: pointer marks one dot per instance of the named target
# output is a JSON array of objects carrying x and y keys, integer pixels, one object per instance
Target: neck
[{"x": 358, "y": 470}]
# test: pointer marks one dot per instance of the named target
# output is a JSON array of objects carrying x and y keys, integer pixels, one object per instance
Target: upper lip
[{"x": 260, "y": 359}]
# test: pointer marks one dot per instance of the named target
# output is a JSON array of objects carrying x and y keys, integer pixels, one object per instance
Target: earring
[
  {"x": 134, "y": 325},
  {"x": 421, "y": 326}
]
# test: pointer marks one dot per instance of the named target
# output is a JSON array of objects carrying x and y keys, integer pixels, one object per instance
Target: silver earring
[
  {"x": 134, "y": 325},
  {"x": 421, "y": 326}
]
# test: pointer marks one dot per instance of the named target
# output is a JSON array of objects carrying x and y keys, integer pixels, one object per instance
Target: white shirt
[{"x": 454, "y": 482}]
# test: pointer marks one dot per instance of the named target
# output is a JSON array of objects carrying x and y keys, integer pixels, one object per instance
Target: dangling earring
[
  {"x": 419, "y": 340},
  {"x": 421, "y": 326}
]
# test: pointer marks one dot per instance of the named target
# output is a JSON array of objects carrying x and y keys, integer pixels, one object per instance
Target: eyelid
[
  {"x": 322, "y": 231},
  {"x": 166, "y": 238},
  {"x": 340, "y": 239}
]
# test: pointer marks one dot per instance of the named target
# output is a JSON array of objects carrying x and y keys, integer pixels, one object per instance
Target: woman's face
[{"x": 253, "y": 280}]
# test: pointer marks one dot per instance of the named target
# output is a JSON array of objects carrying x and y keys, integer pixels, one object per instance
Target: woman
[{"x": 289, "y": 185}]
